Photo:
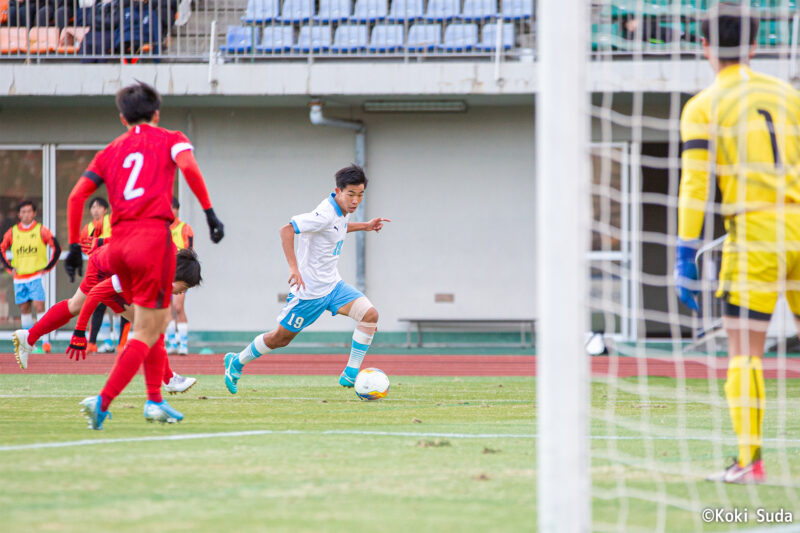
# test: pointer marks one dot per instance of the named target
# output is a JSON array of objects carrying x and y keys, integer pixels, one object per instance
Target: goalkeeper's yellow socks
[{"x": 744, "y": 390}]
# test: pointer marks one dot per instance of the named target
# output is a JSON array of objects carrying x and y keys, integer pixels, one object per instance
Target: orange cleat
[
  {"x": 47, "y": 347},
  {"x": 91, "y": 348}
]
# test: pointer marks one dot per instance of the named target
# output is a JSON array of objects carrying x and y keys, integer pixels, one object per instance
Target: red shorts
[
  {"x": 142, "y": 255},
  {"x": 98, "y": 269}
]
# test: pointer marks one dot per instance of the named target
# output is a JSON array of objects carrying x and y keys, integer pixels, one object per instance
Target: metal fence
[{"x": 307, "y": 30}]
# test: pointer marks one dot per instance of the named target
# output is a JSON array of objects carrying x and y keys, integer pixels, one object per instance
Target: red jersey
[{"x": 138, "y": 168}]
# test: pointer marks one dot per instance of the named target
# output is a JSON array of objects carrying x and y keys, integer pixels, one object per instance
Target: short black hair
[
  {"x": 138, "y": 102},
  {"x": 187, "y": 267},
  {"x": 99, "y": 200},
  {"x": 23, "y": 203},
  {"x": 730, "y": 30},
  {"x": 352, "y": 175},
  {"x": 175, "y": 203}
]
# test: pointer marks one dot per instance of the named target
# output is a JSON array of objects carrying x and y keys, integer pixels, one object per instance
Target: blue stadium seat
[
  {"x": 517, "y": 9},
  {"x": 316, "y": 39},
  {"x": 386, "y": 38},
  {"x": 442, "y": 10},
  {"x": 460, "y": 38},
  {"x": 424, "y": 37},
  {"x": 276, "y": 39},
  {"x": 475, "y": 10},
  {"x": 297, "y": 11},
  {"x": 370, "y": 10},
  {"x": 239, "y": 39},
  {"x": 261, "y": 11},
  {"x": 489, "y": 37},
  {"x": 403, "y": 10},
  {"x": 333, "y": 11},
  {"x": 350, "y": 38}
]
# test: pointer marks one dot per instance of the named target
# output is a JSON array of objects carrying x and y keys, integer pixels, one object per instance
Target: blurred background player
[
  {"x": 28, "y": 241},
  {"x": 744, "y": 130},
  {"x": 138, "y": 169},
  {"x": 110, "y": 292},
  {"x": 314, "y": 280},
  {"x": 99, "y": 228},
  {"x": 177, "y": 334}
]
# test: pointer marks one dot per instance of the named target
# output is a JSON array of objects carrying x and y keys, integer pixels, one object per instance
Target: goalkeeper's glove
[
  {"x": 215, "y": 225},
  {"x": 74, "y": 261},
  {"x": 77, "y": 345},
  {"x": 685, "y": 273}
]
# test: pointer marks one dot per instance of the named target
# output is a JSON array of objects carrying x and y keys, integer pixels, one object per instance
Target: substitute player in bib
[
  {"x": 99, "y": 228},
  {"x": 138, "y": 169},
  {"x": 177, "y": 334},
  {"x": 314, "y": 279},
  {"x": 744, "y": 130},
  {"x": 28, "y": 241}
]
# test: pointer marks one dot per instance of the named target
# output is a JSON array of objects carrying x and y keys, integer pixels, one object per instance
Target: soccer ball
[{"x": 371, "y": 384}]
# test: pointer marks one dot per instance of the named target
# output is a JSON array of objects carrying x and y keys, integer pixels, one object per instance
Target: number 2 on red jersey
[{"x": 134, "y": 161}]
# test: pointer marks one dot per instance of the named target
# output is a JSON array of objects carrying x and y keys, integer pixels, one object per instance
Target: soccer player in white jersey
[{"x": 314, "y": 280}]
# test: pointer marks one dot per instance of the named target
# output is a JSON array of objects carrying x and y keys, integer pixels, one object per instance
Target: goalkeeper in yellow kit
[{"x": 743, "y": 130}]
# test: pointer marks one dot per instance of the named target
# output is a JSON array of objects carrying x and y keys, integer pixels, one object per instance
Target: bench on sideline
[{"x": 523, "y": 325}]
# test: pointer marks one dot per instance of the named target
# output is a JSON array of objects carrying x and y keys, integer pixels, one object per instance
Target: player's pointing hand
[{"x": 376, "y": 224}]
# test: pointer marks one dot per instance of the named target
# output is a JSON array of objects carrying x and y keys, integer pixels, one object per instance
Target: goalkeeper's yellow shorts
[{"x": 760, "y": 259}]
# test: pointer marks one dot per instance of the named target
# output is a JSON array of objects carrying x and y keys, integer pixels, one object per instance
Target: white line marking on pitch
[{"x": 192, "y": 436}]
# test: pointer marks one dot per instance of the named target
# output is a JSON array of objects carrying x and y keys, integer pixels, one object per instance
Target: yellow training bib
[{"x": 28, "y": 249}]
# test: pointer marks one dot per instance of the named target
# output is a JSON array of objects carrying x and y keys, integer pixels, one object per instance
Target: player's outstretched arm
[
  {"x": 376, "y": 224},
  {"x": 194, "y": 179},
  {"x": 287, "y": 242},
  {"x": 77, "y": 199}
]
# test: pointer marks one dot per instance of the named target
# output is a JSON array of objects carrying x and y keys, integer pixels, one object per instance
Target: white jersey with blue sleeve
[{"x": 319, "y": 246}]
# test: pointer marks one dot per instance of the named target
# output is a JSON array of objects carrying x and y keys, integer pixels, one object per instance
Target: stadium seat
[
  {"x": 261, "y": 11},
  {"x": 369, "y": 11},
  {"x": 442, "y": 10},
  {"x": 350, "y": 38},
  {"x": 403, "y": 10},
  {"x": 296, "y": 11},
  {"x": 313, "y": 39},
  {"x": 773, "y": 33},
  {"x": 333, "y": 11},
  {"x": 3, "y": 11},
  {"x": 276, "y": 39},
  {"x": 517, "y": 9},
  {"x": 424, "y": 37},
  {"x": 459, "y": 38},
  {"x": 475, "y": 10},
  {"x": 42, "y": 40},
  {"x": 489, "y": 37},
  {"x": 71, "y": 38},
  {"x": 240, "y": 39},
  {"x": 386, "y": 38},
  {"x": 13, "y": 40}
]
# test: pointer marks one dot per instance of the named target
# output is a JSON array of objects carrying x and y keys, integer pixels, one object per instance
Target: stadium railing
[{"x": 305, "y": 30}]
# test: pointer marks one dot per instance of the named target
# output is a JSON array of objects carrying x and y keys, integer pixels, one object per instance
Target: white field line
[{"x": 228, "y": 434}]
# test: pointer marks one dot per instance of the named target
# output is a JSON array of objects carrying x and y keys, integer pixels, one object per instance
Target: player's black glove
[
  {"x": 77, "y": 345},
  {"x": 215, "y": 225},
  {"x": 74, "y": 261}
]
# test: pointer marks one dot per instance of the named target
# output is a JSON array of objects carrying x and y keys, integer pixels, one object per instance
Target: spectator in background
[
  {"x": 92, "y": 236},
  {"x": 28, "y": 13}
]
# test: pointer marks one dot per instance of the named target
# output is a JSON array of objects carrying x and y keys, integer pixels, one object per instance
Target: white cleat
[
  {"x": 178, "y": 383},
  {"x": 172, "y": 349},
  {"x": 22, "y": 350},
  {"x": 106, "y": 348},
  {"x": 183, "y": 350}
]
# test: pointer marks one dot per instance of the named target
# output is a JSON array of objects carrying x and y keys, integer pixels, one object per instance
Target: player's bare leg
[
  {"x": 234, "y": 363},
  {"x": 744, "y": 391},
  {"x": 366, "y": 317}
]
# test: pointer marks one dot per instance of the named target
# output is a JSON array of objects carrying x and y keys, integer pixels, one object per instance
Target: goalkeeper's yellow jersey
[{"x": 745, "y": 130}]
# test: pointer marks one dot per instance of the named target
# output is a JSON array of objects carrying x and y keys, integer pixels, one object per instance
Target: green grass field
[{"x": 318, "y": 459}]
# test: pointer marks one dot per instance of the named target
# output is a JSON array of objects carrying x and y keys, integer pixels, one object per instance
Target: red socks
[
  {"x": 125, "y": 368},
  {"x": 154, "y": 370},
  {"x": 54, "y": 318},
  {"x": 167, "y": 370}
]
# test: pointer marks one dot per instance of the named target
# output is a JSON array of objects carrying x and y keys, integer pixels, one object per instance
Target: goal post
[{"x": 562, "y": 233}]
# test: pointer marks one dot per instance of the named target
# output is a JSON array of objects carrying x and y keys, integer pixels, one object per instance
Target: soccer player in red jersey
[
  {"x": 138, "y": 169},
  {"x": 110, "y": 293}
]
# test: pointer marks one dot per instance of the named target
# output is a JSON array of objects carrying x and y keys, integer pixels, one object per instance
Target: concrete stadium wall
[{"x": 459, "y": 189}]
